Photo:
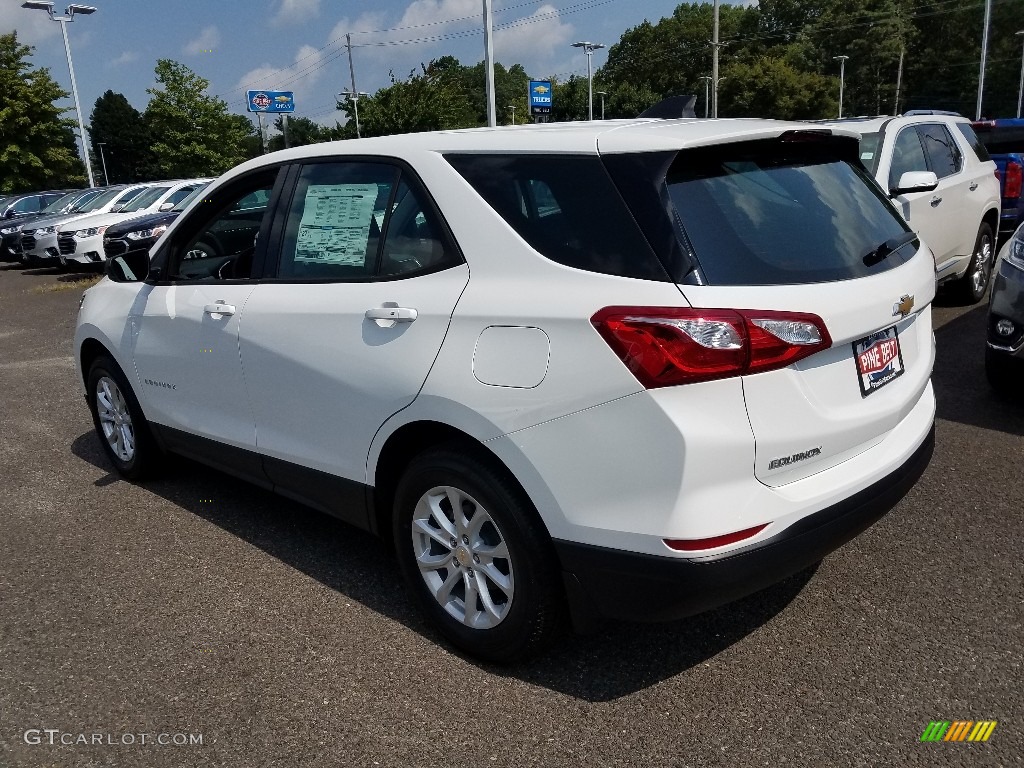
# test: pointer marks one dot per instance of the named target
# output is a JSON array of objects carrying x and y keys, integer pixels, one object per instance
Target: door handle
[
  {"x": 936, "y": 201},
  {"x": 974, "y": 186},
  {"x": 395, "y": 314},
  {"x": 219, "y": 309}
]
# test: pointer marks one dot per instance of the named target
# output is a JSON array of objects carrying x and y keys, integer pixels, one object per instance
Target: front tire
[
  {"x": 1005, "y": 374},
  {"x": 476, "y": 557},
  {"x": 122, "y": 429},
  {"x": 974, "y": 283}
]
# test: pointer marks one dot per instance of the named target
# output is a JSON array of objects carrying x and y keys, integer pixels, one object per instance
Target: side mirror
[
  {"x": 915, "y": 181},
  {"x": 131, "y": 267},
  {"x": 165, "y": 207}
]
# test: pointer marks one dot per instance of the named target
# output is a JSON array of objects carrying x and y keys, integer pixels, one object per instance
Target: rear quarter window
[
  {"x": 974, "y": 142},
  {"x": 566, "y": 207}
]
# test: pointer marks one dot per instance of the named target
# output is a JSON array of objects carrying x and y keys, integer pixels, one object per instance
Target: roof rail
[{"x": 912, "y": 112}]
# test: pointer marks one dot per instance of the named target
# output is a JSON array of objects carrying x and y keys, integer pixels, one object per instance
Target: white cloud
[
  {"x": 205, "y": 43},
  {"x": 32, "y": 26},
  {"x": 297, "y": 11},
  {"x": 125, "y": 58},
  {"x": 537, "y": 37}
]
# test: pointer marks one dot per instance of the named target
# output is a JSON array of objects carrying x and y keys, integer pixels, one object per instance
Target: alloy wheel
[
  {"x": 115, "y": 419},
  {"x": 982, "y": 265},
  {"x": 462, "y": 557}
]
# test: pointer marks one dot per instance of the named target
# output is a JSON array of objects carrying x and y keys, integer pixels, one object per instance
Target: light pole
[
  {"x": 69, "y": 15},
  {"x": 842, "y": 80},
  {"x": 984, "y": 58},
  {"x": 589, "y": 48},
  {"x": 602, "y": 94},
  {"x": 103, "y": 158},
  {"x": 354, "y": 97},
  {"x": 707, "y": 92},
  {"x": 513, "y": 108},
  {"x": 1020, "y": 90}
]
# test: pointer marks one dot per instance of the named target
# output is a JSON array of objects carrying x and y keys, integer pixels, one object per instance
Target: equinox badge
[{"x": 903, "y": 307}]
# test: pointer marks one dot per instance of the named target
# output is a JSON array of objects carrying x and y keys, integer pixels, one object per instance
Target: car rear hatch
[{"x": 803, "y": 280}]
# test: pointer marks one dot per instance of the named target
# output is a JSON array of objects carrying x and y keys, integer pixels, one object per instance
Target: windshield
[
  {"x": 188, "y": 200},
  {"x": 146, "y": 199},
  {"x": 95, "y": 203},
  {"x": 61, "y": 202},
  {"x": 869, "y": 151}
]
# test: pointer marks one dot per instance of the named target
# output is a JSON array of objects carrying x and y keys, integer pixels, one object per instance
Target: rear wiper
[{"x": 891, "y": 245}]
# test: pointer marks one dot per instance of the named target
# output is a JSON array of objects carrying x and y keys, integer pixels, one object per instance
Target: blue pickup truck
[{"x": 1004, "y": 140}]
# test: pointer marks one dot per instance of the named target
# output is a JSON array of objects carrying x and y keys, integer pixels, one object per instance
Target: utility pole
[
  {"x": 899, "y": 82},
  {"x": 714, "y": 64},
  {"x": 351, "y": 69},
  {"x": 513, "y": 108},
  {"x": 602, "y": 94},
  {"x": 1020, "y": 90},
  {"x": 842, "y": 79},
  {"x": 492, "y": 119},
  {"x": 103, "y": 159},
  {"x": 984, "y": 57}
]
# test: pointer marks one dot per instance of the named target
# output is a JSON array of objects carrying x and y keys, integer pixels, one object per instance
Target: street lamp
[
  {"x": 1020, "y": 90},
  {"x": 842, "y": 80},
  {"x": 69, "y": 15},
  {"x": 707, "y": 92},
  {"x": 602, "y": 94},
  {"x": 589, "y": 48},
  {"x": 101, "y": 145},
  {"x": 354, "y": 97}
]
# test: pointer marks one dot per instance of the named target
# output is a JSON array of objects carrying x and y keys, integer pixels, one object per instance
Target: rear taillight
[
  {"x": 666, "y": 346},
  {"x": 1014, "y": 174},
  {"x": 696, "y": 545}
]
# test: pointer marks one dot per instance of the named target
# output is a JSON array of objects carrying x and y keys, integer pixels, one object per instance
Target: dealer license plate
[{"x": 879, "y": 360}]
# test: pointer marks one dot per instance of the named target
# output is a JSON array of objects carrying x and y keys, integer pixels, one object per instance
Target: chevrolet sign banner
[
  {"x": 270, "y": 101},
  {"x": 540, "y": 97}
]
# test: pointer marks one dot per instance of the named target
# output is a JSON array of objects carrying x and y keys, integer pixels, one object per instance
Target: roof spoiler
[{"x": 672, "y": 107}]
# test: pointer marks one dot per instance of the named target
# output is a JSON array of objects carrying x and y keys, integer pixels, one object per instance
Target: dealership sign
[
  {"x": 539, "y": 96},
  {"x": 270, "y": 101}
]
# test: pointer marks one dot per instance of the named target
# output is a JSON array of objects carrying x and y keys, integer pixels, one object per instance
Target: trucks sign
[{"x": 270, "y": 101}]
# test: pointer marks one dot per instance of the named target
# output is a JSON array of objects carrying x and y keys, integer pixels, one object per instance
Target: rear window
[
  {"x": 974, "y": 141},
  {"x": 566, "y": 207},
  {"x": 775, "y": 213}
]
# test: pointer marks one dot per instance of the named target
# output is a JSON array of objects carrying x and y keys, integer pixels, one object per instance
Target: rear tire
[
  {"x": 476, "y": 557},
  {"x": 123, "y": 431},
  {"x": 972, "y": 286}
]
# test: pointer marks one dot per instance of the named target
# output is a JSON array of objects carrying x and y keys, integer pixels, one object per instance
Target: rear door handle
[
  {"x": 936, "y": 201},
  {"x": 219, "y": 309},
  {"x": 395, "y": 314},
  {"x": 974, "y": 186}
]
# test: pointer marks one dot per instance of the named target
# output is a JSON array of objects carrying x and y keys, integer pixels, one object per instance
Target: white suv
[
  {"x": 942, "y": 179},
  {"x": 628, "y": 369}
]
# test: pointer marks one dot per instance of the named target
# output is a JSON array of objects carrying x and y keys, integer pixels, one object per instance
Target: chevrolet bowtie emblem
[{"x": 902, "y": 309}]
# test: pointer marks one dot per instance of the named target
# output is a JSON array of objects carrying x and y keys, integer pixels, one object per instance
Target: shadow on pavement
[
  {"x": 961, "y": 389},
  {"x": 617, "y": 660}
]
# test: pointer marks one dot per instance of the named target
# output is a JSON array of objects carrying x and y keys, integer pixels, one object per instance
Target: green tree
[
  {"x": 771, "y": 87},
  {"x": 37, "y": 144},
  {"x": 193, "y": 132},
  {"x": 301, "y": 131},
  {"x": 122, "y": 130},
  {"x": 426, "y": 101}
]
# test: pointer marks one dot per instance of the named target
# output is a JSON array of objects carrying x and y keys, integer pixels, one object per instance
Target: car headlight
[
  {"x": 1016, "y": 251},
  {"x": 90, "y": 232},
  {"x": 146, "y": 234},
  {"x": 46, "y": 230},
  {"x": 11, "y": 230}
]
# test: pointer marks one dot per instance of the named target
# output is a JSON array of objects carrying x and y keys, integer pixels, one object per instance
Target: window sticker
[{"x": 335, "y": 224}]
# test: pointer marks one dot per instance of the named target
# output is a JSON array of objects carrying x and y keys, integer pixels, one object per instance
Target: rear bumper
[{"x": 610, "y": 583}]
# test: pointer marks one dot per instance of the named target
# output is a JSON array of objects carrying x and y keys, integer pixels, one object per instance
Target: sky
[{"x": 299, "y": 45}]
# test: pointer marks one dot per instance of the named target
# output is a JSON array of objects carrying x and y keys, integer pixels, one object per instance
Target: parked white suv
[
  {"x": 629, "y": 369},
  {"x": 941, "y": 177}
]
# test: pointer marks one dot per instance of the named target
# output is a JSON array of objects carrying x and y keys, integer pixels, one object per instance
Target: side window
[
  {"x": 943, "y": 153},
  {"x": 974, "y": 141},
  {"x": 907, "y": 155},
  {"x": 335, "y": 222},
  {"x": 413, "y": 239},
  {"x": 219, "y": 240}
]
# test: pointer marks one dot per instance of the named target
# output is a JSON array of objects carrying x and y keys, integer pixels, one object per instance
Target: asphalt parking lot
[{"x": 199, "y": 606}]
